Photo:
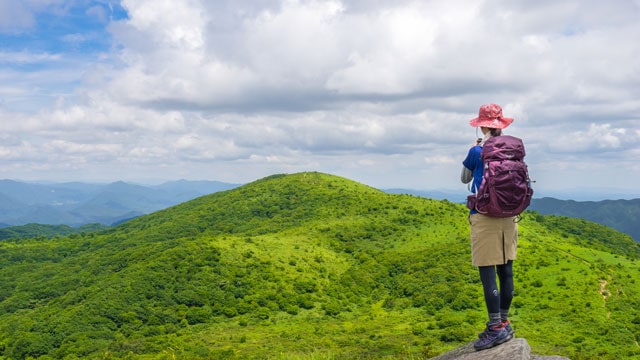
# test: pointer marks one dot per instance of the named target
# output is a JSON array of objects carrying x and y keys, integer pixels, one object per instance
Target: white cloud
[
  {"x": 175, "y": 24},
  {"x": 600, "y": 137},
  {"x": 14, "y": 16},
  {"x": 375, "y": 90},
  {"x": 26, "y": 57}
]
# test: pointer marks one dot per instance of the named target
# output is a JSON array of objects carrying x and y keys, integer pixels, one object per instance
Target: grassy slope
[
  {"x": 310, "y": 266},
  {"x": 49, "y": 231}
]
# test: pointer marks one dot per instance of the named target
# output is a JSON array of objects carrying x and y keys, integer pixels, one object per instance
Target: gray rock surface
[{"x": 515, "y": 349}]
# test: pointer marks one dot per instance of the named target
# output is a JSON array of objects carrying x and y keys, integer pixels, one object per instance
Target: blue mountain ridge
[{"x": 77, "y": 203}]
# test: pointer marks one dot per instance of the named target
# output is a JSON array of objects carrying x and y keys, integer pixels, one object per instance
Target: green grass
[{"x": 309, "y": 266}]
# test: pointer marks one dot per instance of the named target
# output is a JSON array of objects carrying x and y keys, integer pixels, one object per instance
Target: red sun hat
[{"x": 490, "y": 115}]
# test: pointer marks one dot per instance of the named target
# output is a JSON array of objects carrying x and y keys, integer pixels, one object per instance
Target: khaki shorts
[{"x": 494, "y": 240}]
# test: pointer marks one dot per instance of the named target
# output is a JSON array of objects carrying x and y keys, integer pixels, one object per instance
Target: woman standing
[{"x": 493, "y": 239}]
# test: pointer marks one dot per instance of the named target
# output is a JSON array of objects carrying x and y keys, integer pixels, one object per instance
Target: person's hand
[{"x": 477, "y": 142}]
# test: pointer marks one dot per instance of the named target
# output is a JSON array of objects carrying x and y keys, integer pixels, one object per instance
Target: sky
[{"x": 380, "y": 92}]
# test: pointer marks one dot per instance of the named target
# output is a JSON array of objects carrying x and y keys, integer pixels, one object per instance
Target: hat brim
[{"x": 497, "y": 123}]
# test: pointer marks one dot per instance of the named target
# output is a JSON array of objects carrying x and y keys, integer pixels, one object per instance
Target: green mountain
[
  {"x": 309, "y": 266},
  {"x": 622, "y": 215},
  {"x": 43, "y": 230}
]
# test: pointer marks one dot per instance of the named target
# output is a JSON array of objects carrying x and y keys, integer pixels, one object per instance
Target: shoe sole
[
  {"x": 509, "y": 337},
  {"x": 511, "y": 333},
  {"x": 495, "y": 343}
]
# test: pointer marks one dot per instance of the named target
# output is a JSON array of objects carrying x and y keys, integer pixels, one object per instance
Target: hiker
[{"x": 493, "y": 239}]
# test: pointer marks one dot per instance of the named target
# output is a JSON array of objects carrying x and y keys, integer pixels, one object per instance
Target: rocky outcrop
[{"x": 515, "y": 349}]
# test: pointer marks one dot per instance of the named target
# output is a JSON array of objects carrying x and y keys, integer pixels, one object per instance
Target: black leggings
[{"x": 495, "y": 299}]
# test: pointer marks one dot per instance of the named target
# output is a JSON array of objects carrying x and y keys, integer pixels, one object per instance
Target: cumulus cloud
[
  {"x": 379, "y": 91},
  {"x": 600, "y": 137}
]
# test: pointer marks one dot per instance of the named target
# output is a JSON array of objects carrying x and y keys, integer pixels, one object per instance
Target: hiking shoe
[
  {"x": 507, "y": 326},
  {"x": 491, "y": 337}
]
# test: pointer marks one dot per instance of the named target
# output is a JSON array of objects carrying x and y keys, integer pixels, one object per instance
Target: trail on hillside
[{"x": 604, "y": 292}]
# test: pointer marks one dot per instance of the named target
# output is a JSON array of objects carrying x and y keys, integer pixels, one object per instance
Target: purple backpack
[{"x": 505, "y": 190}]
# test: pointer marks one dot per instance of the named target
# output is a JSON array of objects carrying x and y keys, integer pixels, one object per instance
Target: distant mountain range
[
  {"x": 76, "y": 203},
  {"x": 621, "y": 215}
]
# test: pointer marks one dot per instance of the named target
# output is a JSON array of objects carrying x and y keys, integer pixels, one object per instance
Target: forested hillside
[
  {"x": 47, "y": 231},
  {"x": 309, "y": 266},
  {"x": 622, "y": 215}
]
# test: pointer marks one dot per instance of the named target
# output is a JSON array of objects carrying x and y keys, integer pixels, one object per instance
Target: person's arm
[
  {"x": 466, "y": 176},
  {"x": 468, "y": 164}
]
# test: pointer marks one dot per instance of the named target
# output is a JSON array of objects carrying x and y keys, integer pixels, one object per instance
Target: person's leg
[
  {"x": 505, "y": 275},
  {"x": 491, "y": 293},
  {"x": 494, "y": 333}
]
